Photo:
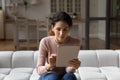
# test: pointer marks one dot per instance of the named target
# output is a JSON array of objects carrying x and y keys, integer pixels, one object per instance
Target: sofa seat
[
  {"x": 16, "y": 73},
  {"x": 112, "y": 73},
  {"x": 34, "y": 75},
  {"x": 5, "y": 71},
  {"x": 2, "y": 76},
  {"x": 102, "y": 73}
]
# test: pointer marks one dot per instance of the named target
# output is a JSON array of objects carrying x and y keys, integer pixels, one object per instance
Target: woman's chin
[{"x": 60, "y": 41}]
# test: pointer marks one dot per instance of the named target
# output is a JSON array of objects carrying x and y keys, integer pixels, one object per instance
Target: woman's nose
[{"x": 61, "y": 32}]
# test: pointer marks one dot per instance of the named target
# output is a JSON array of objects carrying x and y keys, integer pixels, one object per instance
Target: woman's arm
[
  {"x": 48, "y": 67},
  {"x": 42, "y": 56}
]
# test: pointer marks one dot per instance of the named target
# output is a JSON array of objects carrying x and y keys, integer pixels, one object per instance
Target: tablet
[{"x": 66, "y": 53}]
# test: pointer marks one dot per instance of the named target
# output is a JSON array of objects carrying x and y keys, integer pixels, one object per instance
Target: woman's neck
[{"x": 65, "y": 41}]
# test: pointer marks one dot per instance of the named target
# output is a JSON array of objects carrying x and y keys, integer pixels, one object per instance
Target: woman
[{"x": 61, "y": 24}]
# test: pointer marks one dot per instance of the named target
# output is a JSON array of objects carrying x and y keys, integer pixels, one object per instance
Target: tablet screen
[{"x": 66, "y": 53}]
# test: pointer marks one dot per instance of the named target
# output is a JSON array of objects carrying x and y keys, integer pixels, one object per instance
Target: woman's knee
[{"x": 69, "y": 76}]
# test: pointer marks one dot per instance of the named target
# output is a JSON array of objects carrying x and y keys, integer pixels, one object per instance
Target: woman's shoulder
[
  {"x": 48, "y": 42},
  {"x": 48, "y": 38}
]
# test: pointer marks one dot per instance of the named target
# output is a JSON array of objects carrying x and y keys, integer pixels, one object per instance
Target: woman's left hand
[{"x": 75, "y": 63}]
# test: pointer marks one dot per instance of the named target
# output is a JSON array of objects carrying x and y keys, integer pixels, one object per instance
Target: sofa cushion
[
  {"x": 19, "y": 74},
  {"x": 23, "y": 59},
  {"x": 2, "y": 76},
  {"x": 34, "y": 75},
  {"x": 22, "y": 70},
  {"x": 92, "y": 76},
  {"x": 89, "y": 69},
  {"x": 113, "y": 76},
  {"x": 5, "y": 59},
  {"x": 91, "y": 73},
  {"x": 111, "y": 73},
  {"x": 5, "y": 70},
  {"x": 118, "y": 51},
  {"x": 77, "y": 75},
  {"x": 92, "y": 61},
  {"x": 107, "y": 58},
  {"x": 35, "y": 58}
]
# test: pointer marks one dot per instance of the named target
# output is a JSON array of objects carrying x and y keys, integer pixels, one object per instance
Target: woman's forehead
[{"x": 61, "y": 24}]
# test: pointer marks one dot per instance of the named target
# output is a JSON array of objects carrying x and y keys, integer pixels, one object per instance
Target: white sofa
[
  {"x": 95, "y": 65},
  {"x": 18, "y": 65},
  {"x": 99, "y": 65}
]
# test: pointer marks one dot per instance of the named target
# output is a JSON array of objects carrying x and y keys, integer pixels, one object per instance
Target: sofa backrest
[
  {"x": 107, "y": 58},
  {"x": 99, "y": 58},
  {"x": 118, "y": 51},
  {"x": 5, "y": 59},
  {"x": 23, "y": 59},
  {"x": 88, "y": 58},
  {"x": 16, "y": 59},
  {"x": 35, "y": 58}
]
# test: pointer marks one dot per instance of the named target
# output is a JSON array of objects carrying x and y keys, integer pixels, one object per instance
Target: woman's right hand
[{"x": 52, "y": 60}]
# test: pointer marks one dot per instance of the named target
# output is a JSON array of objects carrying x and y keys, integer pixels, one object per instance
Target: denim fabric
[
  {"x": 69, "y": 76},
  {"x": 54, "y": 76}
]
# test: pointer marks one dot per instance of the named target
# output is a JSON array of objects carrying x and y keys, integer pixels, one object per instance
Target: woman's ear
[
  {"x": 52, "y": 27},
  {"x": 51, "y": 31}
]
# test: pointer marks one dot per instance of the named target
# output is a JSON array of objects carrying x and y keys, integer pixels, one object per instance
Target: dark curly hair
[{"x": 60, "y": 16}]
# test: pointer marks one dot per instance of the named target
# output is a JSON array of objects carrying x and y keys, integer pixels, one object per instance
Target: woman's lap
[
  {"x": 69, "y": 76},
  {"x": 54, "y": 76}
]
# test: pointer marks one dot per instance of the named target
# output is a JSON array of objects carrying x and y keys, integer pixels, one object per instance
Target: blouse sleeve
[{"x": 42, "y": 56}]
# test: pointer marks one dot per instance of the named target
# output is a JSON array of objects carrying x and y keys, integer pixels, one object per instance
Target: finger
[
  {"x": 75, "y": 59},
  {"x": 74, "y": 63},
  {"x": 52, "y": 60},
  {"x": 53, "y": 55}
]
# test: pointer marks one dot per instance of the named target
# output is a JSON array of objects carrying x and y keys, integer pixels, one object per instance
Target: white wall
[
  {"x": 40, "y": 10},
  {"x": 82, "y": 9},
  {"x": 37, "y": 11}
]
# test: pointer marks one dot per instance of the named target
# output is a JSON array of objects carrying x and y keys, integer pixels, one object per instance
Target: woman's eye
[
  {"x": 65, "y": 29},
  {"x": 58, "y": 29}
]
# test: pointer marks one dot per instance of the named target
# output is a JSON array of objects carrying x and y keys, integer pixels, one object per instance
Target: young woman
[{"x": 61, "y": 24}]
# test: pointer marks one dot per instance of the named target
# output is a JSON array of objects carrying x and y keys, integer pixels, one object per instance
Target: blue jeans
[{"x": 54, "y": 76}]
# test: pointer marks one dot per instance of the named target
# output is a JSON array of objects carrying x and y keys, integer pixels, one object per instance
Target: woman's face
[{"x": 61, "y": 30}]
